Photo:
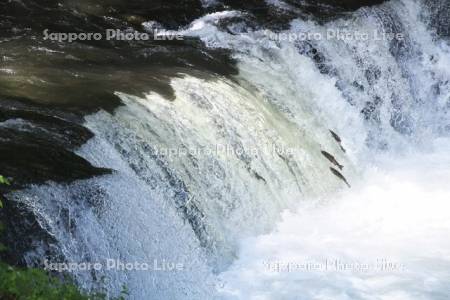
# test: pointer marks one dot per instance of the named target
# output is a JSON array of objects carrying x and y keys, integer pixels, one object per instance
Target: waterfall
[{"x": 237, "y": 177}]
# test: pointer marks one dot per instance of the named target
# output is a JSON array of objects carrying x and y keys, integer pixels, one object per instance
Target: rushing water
[
  {"x": 231, "y": 178},
  {"x": 384, "y": 239}
]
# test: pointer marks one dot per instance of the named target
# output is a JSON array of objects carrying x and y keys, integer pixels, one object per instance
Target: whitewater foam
[{"x": 387, "y": 238}]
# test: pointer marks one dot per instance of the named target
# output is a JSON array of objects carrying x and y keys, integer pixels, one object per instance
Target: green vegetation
[
  {"x": 37, "y": 284},
  {"x": 4, "y": 180}
]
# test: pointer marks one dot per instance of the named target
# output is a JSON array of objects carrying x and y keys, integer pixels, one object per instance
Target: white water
[
  {"x": 214, "y": 211},
  {"x": 391, "y": 230}
]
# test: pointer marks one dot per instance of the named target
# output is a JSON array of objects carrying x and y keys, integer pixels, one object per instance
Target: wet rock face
[
  {"x": 347, "y": 4},
  {"x": 37, "y": 144},
  {"x": 84, "y": 75},
  {"x": 172, "y": 13},
  {"x": 22, "y": 233}
]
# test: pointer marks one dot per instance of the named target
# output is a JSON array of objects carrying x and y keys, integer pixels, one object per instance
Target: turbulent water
[
  {"x": 386, "y": 239},
  {"x": 244, "y": 180}
]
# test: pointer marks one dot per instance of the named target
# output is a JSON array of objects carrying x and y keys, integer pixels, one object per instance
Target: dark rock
[
  {"x": 171, "y": 13},
  {"x": 48, "y": 124},
  {"x": 278, "y": 18},
  {"x": 83, "y": 76},
  {"x": 348, "y": 5},
  {"x": 36, "y": 145},
  {"x": 29, "y": 159},
  {"x": 21, "y": 233}
]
